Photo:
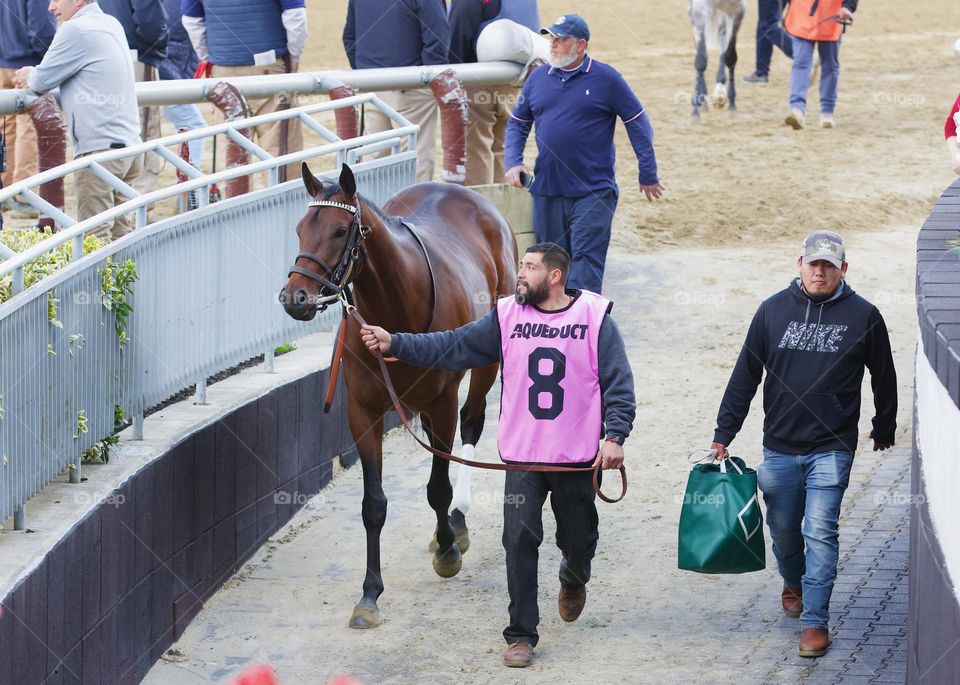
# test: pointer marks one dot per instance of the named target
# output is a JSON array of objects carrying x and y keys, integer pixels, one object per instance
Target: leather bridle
[{"x": 335, "y": 278}]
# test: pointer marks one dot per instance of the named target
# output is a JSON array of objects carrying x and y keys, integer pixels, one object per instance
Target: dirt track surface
[{"x": 687, "y": 274}]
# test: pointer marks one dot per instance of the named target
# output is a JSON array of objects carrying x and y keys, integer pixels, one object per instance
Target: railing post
[
  {"x": 138, "y": 426},
  {"x": 200, "y": 397},
  {"x": 268, "y": 361},
  {"x": 20, "y": 517}
]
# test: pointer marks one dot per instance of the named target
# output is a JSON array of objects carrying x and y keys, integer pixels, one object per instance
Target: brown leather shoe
[
  {"x": 518, "y": 655},
  {"x": 792, "y": 600},
  {"x": 814, "y": 642},
  {"x": 571, "y": 602}
]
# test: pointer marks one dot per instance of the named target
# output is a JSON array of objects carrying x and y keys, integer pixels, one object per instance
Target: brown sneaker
[
  {"x": 814, "y": 642},
  {"x": 792, "y": 600},
  {"x": 571, "y": 602},
  {"x": 518, "y": 655}
]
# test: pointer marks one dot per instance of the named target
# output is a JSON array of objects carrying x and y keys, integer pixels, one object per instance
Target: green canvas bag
[{"x": 721, "y": 524}]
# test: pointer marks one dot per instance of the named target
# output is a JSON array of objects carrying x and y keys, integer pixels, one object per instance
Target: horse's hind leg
[
  {"x": 700, "y": 85},
  {"x": 374, "y": 509},
  {"x": 440, "y": 424}
]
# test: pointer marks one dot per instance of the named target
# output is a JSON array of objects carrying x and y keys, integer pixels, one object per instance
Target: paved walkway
[
  {"x": 683, "y": 315},
  {"x": 869, "y": 604}
]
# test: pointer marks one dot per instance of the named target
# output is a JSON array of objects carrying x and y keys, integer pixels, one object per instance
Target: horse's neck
[{"x": 394, "y": 284}]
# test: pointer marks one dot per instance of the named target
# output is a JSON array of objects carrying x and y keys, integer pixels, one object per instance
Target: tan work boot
[
  {"x": 518, "y": 655},
  {"x": 795, "y": 119},
  {"x": 792, "y": 600},
  {"x": 571, "y": 602},
  {"x": 814, "y": 642}
]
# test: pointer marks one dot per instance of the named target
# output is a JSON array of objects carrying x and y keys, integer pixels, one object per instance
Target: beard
[
  {"x": 564, "y": 61},
  {"x": 533, "y": 295}
]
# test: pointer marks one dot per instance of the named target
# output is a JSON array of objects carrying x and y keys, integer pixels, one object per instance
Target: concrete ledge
[
  {"x": 114, "y": 568},
  {"x": 934, "y": 624}
]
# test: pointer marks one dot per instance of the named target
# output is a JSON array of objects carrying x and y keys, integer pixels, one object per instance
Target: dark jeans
[
  {"x": 574, "y": 506},
  {"x": 770, "y": 33},
  {"x": 581, "y": 226}
]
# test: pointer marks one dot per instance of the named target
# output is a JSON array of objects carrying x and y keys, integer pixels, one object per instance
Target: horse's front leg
[
  {"x": 440, "y": 423},
  {"x": 367, "y": 429},
  {"x": 700, "y": 85}
]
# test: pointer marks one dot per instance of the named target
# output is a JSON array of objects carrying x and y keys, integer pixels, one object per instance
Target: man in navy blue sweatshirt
[
  {"x": 814, "y": 340},
  {"x": 574, "y": 104}
]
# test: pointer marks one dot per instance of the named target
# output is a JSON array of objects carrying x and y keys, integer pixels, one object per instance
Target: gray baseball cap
[{"x": 824, "y": 245}]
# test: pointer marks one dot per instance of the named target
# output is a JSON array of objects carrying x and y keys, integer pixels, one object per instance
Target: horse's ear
[
  {"x": 348, "y": 184},
  {"x": 310, "y": 182}
]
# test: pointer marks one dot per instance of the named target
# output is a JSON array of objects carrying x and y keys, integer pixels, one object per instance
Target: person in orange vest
[{"x": 816, "y": 23}]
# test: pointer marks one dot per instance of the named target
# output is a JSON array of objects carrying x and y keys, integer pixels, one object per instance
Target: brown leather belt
[{"x": 352, "y": 311}]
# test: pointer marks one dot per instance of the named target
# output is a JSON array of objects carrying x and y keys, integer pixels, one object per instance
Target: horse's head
[{"x": 331, "y": 235}]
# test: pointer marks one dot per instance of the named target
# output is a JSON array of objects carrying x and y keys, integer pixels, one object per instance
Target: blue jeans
[
  {"x": 581, "y": 226},
  {"x": 803, "y": 495},
  {"x": 829, "y": 74},
  {"x": 770, "y": 33}
]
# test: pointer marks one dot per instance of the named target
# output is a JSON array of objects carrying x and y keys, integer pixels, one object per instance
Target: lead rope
[{"x": 351, "y": 311}]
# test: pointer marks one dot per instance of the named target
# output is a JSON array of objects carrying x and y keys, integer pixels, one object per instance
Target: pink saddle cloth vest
[{"x": 550, "y": 408}]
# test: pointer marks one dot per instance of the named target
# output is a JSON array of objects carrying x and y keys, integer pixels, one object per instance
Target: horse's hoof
[
  {"x": 364, "y": 617},
  {"x": 462, "y": 540},
  {"x": 448, "y": 565}
]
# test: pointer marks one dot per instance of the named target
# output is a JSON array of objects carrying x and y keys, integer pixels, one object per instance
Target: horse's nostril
[{"x": 300, "y": 297}]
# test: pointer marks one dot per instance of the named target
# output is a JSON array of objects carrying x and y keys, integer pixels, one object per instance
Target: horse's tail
[{"x": 719, "y": 23}]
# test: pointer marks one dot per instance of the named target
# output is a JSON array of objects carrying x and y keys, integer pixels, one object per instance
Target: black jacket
[{"x": 814, "y": 354}]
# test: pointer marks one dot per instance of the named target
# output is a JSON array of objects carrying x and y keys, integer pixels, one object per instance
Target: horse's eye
[{"x": 340, "y": 232}]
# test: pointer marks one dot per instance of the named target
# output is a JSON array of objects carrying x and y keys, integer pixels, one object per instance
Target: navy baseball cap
[{"x": 568, "y": 25}]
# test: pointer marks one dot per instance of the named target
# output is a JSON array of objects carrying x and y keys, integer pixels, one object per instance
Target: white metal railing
[
  {"x": 302, "y": 83},
  {"x": 206, "y": 300}
]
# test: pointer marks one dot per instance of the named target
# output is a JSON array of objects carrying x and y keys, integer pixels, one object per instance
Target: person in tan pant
[
  {"x": 490, "y": 108},
  {"x": 268, "y": 136},
  {"x": 21, "y": 137}
]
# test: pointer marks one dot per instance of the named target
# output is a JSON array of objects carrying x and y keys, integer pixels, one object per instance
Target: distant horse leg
[
  {"x": 366, "y": 614},
  {"x": 731, "y": 60},
  {"x": 719, "y": 99},
  {"x": 440, "y": 423},
  {"x": 700, "y": 62}
]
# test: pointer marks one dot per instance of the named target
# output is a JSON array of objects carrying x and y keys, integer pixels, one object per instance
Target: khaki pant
[
  {"x": 21, "y": 137},
  {"x": 149, "y": 130},
  {"x": 267, "y": 136},
  {"x": 419, "y": 107},
  {"x": 490, "y": 108},
  {"x": 95, "y": 196}
]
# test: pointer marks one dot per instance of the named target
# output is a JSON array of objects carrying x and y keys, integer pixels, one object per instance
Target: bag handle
[{"x": 711, "y": 455}]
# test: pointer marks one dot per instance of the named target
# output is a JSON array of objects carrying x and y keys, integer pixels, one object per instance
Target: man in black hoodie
[{"x": 814, "y": 340}]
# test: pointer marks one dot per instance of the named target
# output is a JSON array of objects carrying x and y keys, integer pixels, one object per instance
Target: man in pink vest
[{"x": 567, "y": 399}]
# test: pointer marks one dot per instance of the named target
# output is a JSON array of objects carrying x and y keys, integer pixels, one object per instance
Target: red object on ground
[
  {"x": 258, "y": 675},
  {"x": 454, "y": 116},
  {"x": 344, "y": 680},
  {"x": 51, "y": 148},
  {"x": 228, "y": 100}
]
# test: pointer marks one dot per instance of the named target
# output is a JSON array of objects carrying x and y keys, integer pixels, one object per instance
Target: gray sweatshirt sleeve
[
  {"x": 616, "y": 380},
  {"x": 467, "y": 347},
  {"x": 66, "y": 56}
]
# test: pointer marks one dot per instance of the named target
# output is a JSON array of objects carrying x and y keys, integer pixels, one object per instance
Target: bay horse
[
  {"x": 437, "y": 256},
  {"x": 716, "y": 24}
]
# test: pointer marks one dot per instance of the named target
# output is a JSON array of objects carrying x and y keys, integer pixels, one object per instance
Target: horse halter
[{"x": 335, "y": 278}]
